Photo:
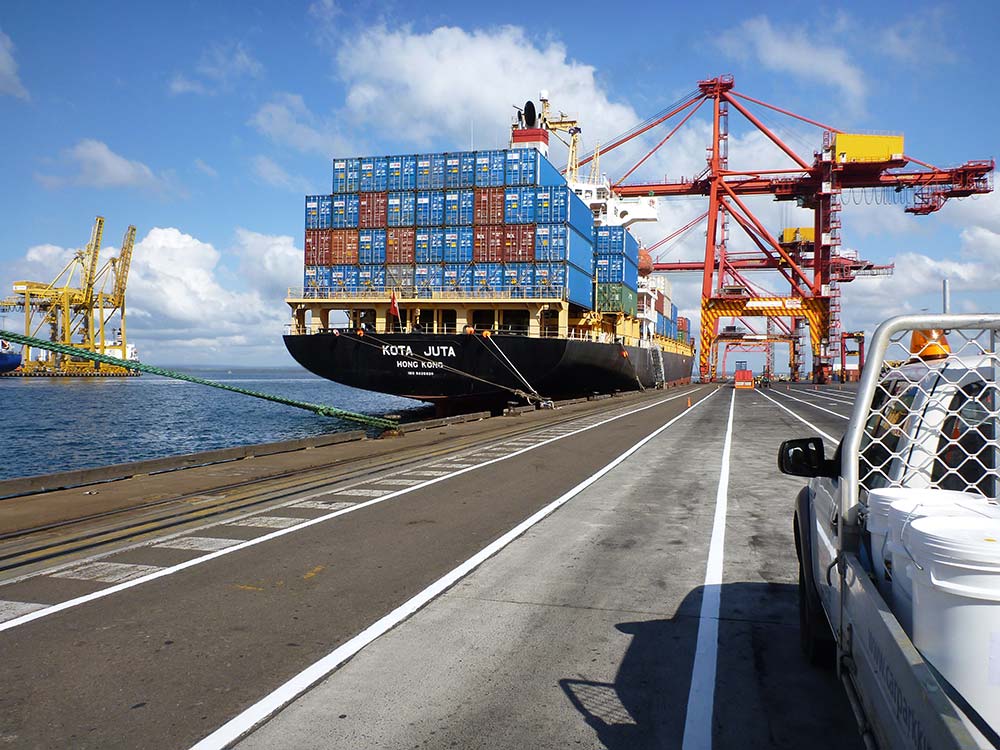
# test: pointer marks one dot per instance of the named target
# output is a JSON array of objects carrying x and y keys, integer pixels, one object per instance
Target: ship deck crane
[{"x": 812, "y": 268}]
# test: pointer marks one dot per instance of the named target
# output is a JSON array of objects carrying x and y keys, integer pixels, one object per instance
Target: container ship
[{"x": 472, "y": 279}]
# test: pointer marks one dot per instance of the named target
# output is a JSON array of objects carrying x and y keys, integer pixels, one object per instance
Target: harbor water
[{"x": 58, "y": 424}]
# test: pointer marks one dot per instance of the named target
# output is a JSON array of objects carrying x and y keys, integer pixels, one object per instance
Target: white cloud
[
  {"x": 190, "y": 302},
  {"x": 796, "y": 52},
  {"x": 10, "y": 83},
  {"x": 205, "y": 168},
  {"x": 270, "y": 263},
  {"x": 287, "y": 120},
  {"x": 271, "y": 173},
  {"x": 184, "y": 305},
  {"x": 918, "y": 39},
  {"x": 428, "y": 85},
  {"x": 96, "y": 165},
  {"x": 220, "y": 67},
  {"x": 182, "y": 85}
]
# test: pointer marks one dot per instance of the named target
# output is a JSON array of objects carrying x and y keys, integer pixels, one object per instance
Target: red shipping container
[
  {"x": 343, "y": 246},
  {"x": 526, "y": 243},
  {"x": 317, "y": 244},
  {"x": 661, "y": 302},
  {"x": 400, "y": 243},
  {"x": 518, "y": 243},
  {"x": 488, "y": 244},
  {"x": 488, "y": 206},
  {"x": 372, "y": 210},
  {"x": 683, "y": 324}
]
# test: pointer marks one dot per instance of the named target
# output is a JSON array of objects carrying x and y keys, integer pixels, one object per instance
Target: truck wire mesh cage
[{"x": 933, "y": 408}]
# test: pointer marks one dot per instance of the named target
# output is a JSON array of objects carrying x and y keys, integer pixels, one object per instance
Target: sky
[{"x": 205, "y": 124}]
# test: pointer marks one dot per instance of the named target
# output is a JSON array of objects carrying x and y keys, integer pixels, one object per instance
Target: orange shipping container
[{"x": 343, "y": 247}]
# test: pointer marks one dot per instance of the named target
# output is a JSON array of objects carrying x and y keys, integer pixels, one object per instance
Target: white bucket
[
  {"x": 879, "y": 502},
  {"x": 956, "y": 605},
  {"x": 902, "y": 513},
  {"x": 877, "y": 524}
]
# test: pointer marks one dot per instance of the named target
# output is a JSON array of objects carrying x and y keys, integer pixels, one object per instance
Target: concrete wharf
[{"x": 616, "y": 574}]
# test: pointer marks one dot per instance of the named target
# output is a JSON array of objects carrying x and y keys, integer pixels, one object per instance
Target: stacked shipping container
[
  {"x": 500, "y": 220},
  {"x": 617, "y": 269}
]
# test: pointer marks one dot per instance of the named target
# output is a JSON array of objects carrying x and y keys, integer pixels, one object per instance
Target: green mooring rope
[{"x": 326, "y": 411}]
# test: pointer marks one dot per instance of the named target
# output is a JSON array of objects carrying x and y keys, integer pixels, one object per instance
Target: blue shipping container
[
  {"x": 488, "y": 275},
  {"x": 459, "y": 276},
  {"x": 519, "y": 205},
  {"x": 616, "y": 269},
  {"x": 490, "y": 168},
  {"x": 521, "y": 166},
  {"x": 459, "y": 207},
  {"x": 429, "y": 275},
  {"x": 547, "y": 174},
  {"x": 402, "y": 173},
  {"x": 371, "y": 246},
  {"x": 344, "y": 213},
  {"x": 560, "y": 204},
  {"x": 374, "y": 174},
  {"x": 318, "y": 208},
  {"x": 519, "y": 278},
  {"x": 560, "y": 242},
  {"x": 460, "y": 169},
  {"x": 344, "y": 278},
  {"x": 565, "y": 282},
  {"x": 673, "y": 312},
  {"x": 616, "y": 241},
  {"x": 458, "y": 244},
  {"x": 371, "y": 278},
  {"x": 429, "y": 245},
  {"x": 401, "y": 209},
  {"x": 346, "y": 175},
  {"x": 430, "y": 208},
  {"x": 430, "y": 171}
]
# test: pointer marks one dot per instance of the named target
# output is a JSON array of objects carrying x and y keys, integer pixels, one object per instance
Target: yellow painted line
[
  {"x": 313, "y": 573},
  {"x": 245, "y": 587}
]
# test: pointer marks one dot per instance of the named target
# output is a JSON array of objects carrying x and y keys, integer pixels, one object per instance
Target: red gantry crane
[{"x": 809, "y": 259}]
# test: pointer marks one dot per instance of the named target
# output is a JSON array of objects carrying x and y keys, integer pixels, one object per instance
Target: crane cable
[{"x": 321, "y": 409}]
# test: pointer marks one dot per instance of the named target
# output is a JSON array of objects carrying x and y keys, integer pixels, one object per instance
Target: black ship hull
[{"x": 462, "y": 371}]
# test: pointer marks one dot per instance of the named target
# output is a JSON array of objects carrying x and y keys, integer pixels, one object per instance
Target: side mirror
[{"x": 806, "y": 457}]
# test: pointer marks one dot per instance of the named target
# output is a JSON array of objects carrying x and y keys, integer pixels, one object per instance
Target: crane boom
[{"x": 121, "y": 267}]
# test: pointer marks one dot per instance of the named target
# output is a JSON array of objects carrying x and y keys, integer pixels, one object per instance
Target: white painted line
[
  {"x": 107, "y": 572},
  {"x": 398, "y": 482},
  {"x": 451, "y": 465},
  {"x": 701, "y": 697},
  {"x": 201, "y": 543},
  {"x": 842, "y": 401},
  {"x": 318, "y": 505},
  {"x": 163, "y": 572},
  {"x": 297, "y": 685},
  {"x": 361, "y": 492},
  {"x": 816, "y": 406},
  {"x": 267, "y": 522},
  {"x": 427, "y": 473},
  {"x": 10, "y": 610},
  {"x": 803, "y": 421}
]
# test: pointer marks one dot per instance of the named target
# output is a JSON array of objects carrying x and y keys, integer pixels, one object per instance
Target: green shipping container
[{"x": 616, "y": 298}]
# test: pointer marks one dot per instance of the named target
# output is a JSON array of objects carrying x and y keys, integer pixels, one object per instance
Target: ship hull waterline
[{"x": 462, "y": 372}]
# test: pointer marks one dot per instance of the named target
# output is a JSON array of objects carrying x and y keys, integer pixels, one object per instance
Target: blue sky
[{"x": 204, "y": 124}]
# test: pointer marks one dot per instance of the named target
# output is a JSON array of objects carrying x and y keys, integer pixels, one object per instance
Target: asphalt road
[{"x": 583, "y": 630}]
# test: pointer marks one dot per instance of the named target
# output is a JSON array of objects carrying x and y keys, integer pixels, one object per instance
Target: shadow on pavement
[{"x": 766, "y": 695}]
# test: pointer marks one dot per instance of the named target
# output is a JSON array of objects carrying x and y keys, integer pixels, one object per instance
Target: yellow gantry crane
[{"x": 77, "y": 310}]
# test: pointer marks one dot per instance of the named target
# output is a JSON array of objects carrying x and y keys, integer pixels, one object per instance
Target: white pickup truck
[{"x": 925, "y": 419}]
